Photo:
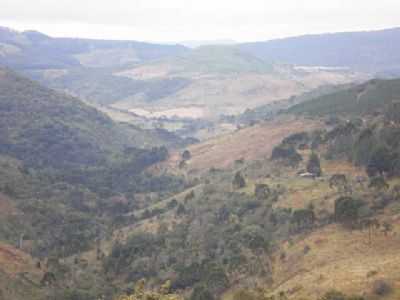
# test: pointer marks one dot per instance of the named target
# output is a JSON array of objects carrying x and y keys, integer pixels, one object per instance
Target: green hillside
[
  {"x": 41, "y": 126},
  {"x": 220, "y": 60},
  {"x": 72, "y": 173},
  {"x": 46, "y": 128},
  {"x": 367, "y": 98},
  {"x": 48, "y": 138}
]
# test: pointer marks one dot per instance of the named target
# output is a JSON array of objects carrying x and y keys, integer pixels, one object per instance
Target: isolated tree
[
  {"x": 189, "y": 196},
  {"x": 287, "y": 155},
  {"x": 370, "y": 224},
  {"x": 347, "y": 210},
  {"x": 238, "y": 181},
  {"x": 186, "y": 155},
  {"x": 380, "y": 162},
  {"x": 303, "y": 218},
  {"x": 387, "y": 228},
  {"x": 223, "y": 214},
  {"x": 181, "y": 210},
  {"x": 314, "y": 165},
  {"x": 262, "y": 191},
  {"x": 172, "y": 204},
  {"x": 338, "y": 181},
  {"x": 381, "y": 288},
  {"x": 341, "y": 183},
  {"x": 296, "y": 139}
]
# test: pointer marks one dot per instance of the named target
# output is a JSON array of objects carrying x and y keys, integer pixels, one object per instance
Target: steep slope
[
  {"x": 67, "y": 174},
  {"x": 44, "y": 127},
  {"x": 41, "y": 126},
  {"x": 369, "y": 97},
  {"x": 19, "y": 275},
  {"x": 373, "y": 51}
]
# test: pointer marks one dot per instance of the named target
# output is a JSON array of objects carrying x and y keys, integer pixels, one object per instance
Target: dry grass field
[
  {"x": 14, "y": 262},
  {"x": 251, "y": 143},
  {"x": 337, "y": 259}
]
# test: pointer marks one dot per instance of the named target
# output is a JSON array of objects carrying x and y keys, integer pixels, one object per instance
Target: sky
[{"x": 185, "y": 20}]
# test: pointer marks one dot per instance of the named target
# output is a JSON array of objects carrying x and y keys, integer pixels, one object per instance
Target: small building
[{"x": 308, "y": 175}]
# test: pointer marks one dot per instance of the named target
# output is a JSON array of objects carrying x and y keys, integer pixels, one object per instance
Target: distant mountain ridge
[
  {"x": 200, "y": 43},
  {"x": 371, "y": 51},
  {"x": 35, "y": 50},
  {"x": 222, "y": 79}
]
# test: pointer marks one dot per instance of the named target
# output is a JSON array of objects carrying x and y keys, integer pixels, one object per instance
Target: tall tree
[
  {"x": 314, "y": 165},
  {"x": 239, "y": 181}
]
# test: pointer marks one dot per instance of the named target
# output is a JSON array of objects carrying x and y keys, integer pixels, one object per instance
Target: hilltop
[
  {"x": 372, "y": 51},
  {"x": 370, "y": 97}
]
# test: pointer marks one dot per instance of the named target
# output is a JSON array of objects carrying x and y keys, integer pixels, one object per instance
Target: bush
[
  {"x": 381, "y": 288},
  {"x": 238, "y": 181},
  {"x": 296, "y": 139},
  {"x": 303, "y": 218},
  {"x": 262, "y": 191},
  {"x": 380, "y": 162},
  {"x": 286, "y": 154},
  {"x": 244, "y": 294},
  {"x": 200, "y": 292},
  {"x": 334, "y": 295},
  {"x": 347, "y": 209},
  {"x": 172, "y": 204},
  {"x": 75, "y": 295}
]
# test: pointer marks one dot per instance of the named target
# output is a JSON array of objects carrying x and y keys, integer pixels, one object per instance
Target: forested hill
[
  {"x": 51, "y": 131},
  {"x": 64, "y": 167},
  {"x": 371, "y": 50},
  {"x": 41, "y": 126},
  {"x": 367, "y": 98}
]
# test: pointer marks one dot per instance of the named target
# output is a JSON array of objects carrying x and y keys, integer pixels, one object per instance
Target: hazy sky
[{"x": 177, "y": 20}]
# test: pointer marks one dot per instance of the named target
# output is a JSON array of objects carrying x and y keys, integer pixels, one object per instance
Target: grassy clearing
[{"x": 338, "y": 259}]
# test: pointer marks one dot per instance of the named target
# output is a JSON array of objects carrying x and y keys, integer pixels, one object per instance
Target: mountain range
[{"x": 199, "y": 82}]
